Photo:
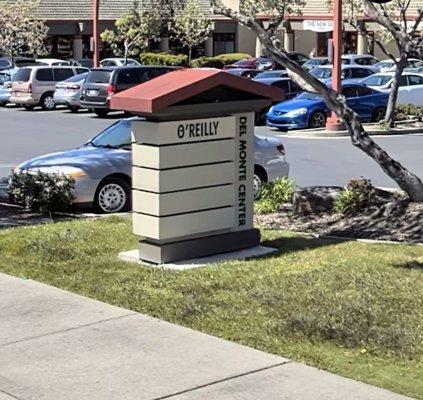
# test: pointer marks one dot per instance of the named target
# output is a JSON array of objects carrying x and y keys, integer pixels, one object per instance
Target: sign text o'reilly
[{"x": 198, "y": 129}]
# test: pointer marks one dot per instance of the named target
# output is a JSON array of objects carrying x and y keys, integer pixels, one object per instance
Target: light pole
[
  {"x": 96, "y": 4},
  {"x": 333, "y": 123}
]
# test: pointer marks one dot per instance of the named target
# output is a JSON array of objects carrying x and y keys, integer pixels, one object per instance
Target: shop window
[{"x": 223, "y": 43}]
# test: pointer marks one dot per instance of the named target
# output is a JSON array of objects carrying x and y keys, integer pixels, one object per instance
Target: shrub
[
  {"x": 42, "y": 192},
  {"x": 403, "y": 111},
  {"x": 357, "y": 195},
  {"x": 163, "y": 58},
  {"x": 207, "y": 62},
  {"x": 219, "y": 61},
  {"x": 274, "y": 194},
  {"x": 230, "y": 58}
]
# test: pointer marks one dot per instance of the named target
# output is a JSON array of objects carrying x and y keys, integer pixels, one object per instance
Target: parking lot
[{"x": 329, "y": 161}]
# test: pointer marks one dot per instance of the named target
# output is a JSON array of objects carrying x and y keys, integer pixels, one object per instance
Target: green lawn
[{"x": 350, "y": 308}]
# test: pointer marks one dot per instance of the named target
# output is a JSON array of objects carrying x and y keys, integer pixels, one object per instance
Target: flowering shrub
[{"x": 41, "y": 192}]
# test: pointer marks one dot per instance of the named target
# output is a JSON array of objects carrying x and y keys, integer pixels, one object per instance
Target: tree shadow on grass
[
  {"x": 411, "y": 265},
  {"x": 286, "y": 245}
]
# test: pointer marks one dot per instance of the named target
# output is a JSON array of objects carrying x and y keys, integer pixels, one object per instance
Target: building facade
[{"x": 70, "y": 30}]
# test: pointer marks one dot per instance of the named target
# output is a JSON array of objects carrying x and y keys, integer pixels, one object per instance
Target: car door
[
  {"x": 404, "y": 95},
  {"x": 413, "y": 91},
  {"x": 350, "y": 94},
  {"x": 366, "y": 102}
]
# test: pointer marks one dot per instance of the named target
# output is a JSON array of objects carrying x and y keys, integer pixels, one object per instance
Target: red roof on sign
[{"x": 174, "y": 87}]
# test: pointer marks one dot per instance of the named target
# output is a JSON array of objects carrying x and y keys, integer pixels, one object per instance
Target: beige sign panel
[
  {"x": 197, "y": 130},
  {"x": 179, "y": 179},
  {"x": 171, "y": 227},
  {"x": 182, "y": 201},
  {"x": 177, "y": 156}
]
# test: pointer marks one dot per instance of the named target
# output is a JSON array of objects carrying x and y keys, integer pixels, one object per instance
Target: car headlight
[
  {"x": 295, "y": 113},
  {"x": 70, "y": 172}
]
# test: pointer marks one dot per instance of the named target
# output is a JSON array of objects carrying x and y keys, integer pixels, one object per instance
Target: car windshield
[
  {"x": 376, "y": 80},
  {"x": 22, "y": 75},
  {"x": 322, "y": 73},
  {"x": 242, "y": 62},
  {"x": 77, "y": 78},
  {"x": 4, "y": 78},
  {"x": 384, "y": 64},
  {"x": 116, "y": 136},
  {"x": 270, "y": 74},
  {"x": 86, "y": 63},
  {"x": 315, "y": 61},
  {"x": 4, "y": 63},
  {"x": 98, "y": 76},
  {"x": 309, "y": 96}
]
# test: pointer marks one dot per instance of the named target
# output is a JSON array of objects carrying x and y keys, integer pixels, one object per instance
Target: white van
[{"x": 35, "y": 86}]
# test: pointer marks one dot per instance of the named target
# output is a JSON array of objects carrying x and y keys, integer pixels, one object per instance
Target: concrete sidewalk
[{"x": 55, "y": 345}]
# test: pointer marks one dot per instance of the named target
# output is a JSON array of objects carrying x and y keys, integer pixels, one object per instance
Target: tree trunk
[
  {"x": 189, "y": 55},
  {"x": 126, "y": 52},
  {"x": 393, "y": 95}
]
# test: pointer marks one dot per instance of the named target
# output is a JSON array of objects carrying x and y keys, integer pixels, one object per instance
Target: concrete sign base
[
  {"x": 254, "y": 252},
  {"x": 160, "y": 253}
]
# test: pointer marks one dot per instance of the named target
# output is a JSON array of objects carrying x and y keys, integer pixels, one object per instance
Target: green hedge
[
  {"x": 219, "y": 61},
  {"x": 230, "y": 58},
  {"x": 163, "y": 58},
  {"x": 207, "y": 62}
]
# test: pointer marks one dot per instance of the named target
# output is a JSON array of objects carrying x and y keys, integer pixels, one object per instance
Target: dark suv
[{"x": 102, "y": 83}]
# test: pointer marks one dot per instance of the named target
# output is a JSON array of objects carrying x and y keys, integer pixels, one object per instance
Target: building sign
[{"x": 318, "y": 26}]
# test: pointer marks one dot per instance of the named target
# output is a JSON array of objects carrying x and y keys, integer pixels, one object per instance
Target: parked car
[
  {"x": 52, "y": 62},
  {"x": 298, "y": 57},
  {"x": 308, "y": 110},
  {"x": 410, "y": 90},
  {"x": 412, "y": 65},
  {"x": 353, "y": 73},
  {"x": 35, "y": 86},
  {"x": 9, "y": 63},
  {"x": 280, "y": 73},
  {"x": 359, "y": 59},
  {"x": 5, "y": 88},
  {"x": 315, "y": 62},
  {"x": 244, "y": 72},
  {"x": 119, "y": 62},
  {"x": 265, "y": 63},
  {"x": 102, "y": 83},
  {"x": 68, "y": 92},
  {"x": 245, "y": 63},
  {"x": 83, "y": 62},
  {"x": 289, "y": 87},
  {"x": 101, "y": 168}
]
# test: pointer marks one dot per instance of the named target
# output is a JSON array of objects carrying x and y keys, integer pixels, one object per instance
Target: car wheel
[
  {"x": 258, "y": 182},
  {"x": 47, "y": 102},
  {"x": 73, "y": 109},
  {"x": 3, "y": 103},
  {"x": 112, "y": 195},
  {"x": 378, "y": 114},
  {"x": 100, "y": 112},
  {"x": 317, "y": 120},
  {"x": 27, "y": 107}
]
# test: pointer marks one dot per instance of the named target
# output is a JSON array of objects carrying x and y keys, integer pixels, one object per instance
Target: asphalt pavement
[{"x": 314, "y": 161}]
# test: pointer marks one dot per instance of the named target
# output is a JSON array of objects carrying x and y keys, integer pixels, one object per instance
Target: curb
[{"x": 322, "y": 133}]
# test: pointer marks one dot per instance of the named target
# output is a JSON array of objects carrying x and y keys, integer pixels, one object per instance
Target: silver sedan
[
  {"x": 101, "y": 168},
  {"x": 68, "y": 92}
]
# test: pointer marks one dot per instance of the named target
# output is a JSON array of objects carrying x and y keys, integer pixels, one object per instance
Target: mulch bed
[{"x": 404, "y": 224}]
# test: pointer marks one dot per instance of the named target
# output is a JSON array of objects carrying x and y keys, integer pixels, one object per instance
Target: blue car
[{"x": 308, "y": 110}]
